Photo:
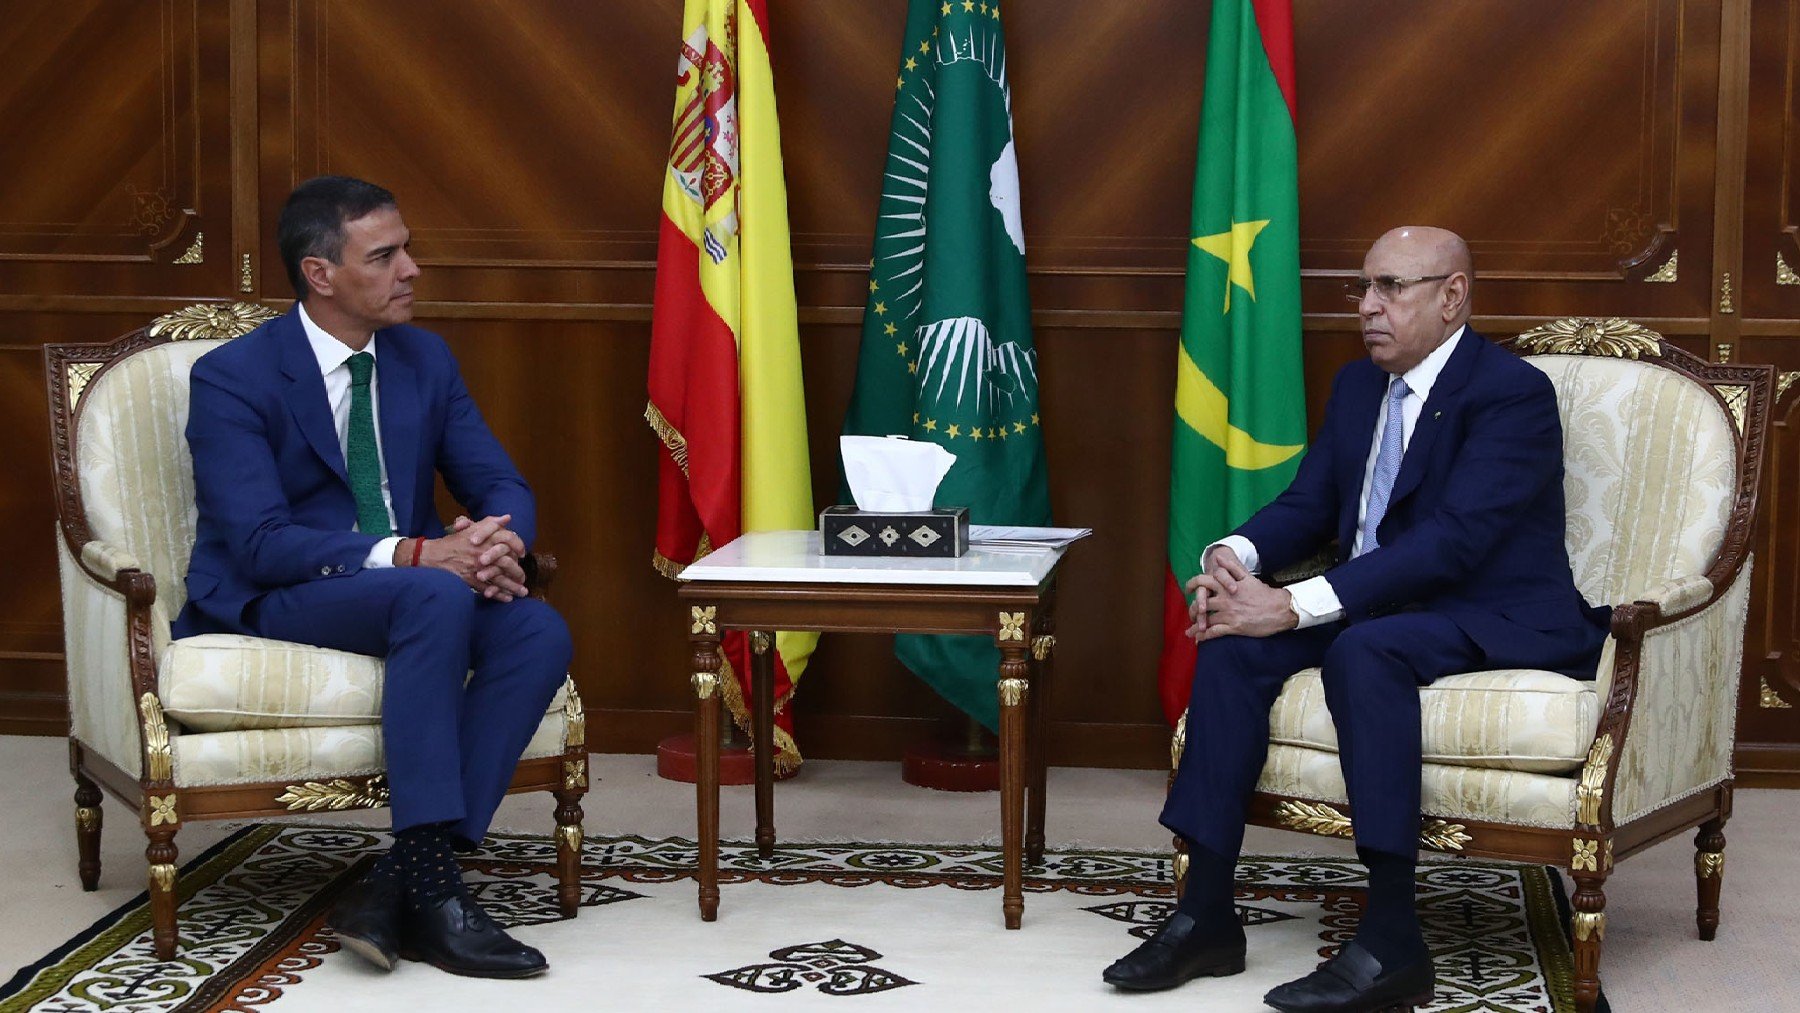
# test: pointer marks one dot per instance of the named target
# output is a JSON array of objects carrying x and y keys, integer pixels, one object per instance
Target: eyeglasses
[{"x": 1387, "y": 287}]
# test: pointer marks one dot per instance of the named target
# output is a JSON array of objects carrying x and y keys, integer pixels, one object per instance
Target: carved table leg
[
  {"x": 704, "y": 638},
  {"x": 1014, "y": 687},
  {"x": 88, "y": 821},
  {"x": 762, "y": 724},
  {"x": 1588, "y": 929},
  {"x": 161, "y": 854},
  {"x": 1043, "y": 652},
  {"x": 1709, "y": 874}
]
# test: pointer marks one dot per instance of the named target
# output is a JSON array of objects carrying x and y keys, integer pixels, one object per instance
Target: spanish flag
[{"x": 725, "y": 388}]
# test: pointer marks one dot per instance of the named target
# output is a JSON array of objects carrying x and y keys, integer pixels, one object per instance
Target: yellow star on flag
[
  {"x": 1233, "y": 247},
  {"x": 890, "y": 330},
  {"x": 954, "y": 431}
]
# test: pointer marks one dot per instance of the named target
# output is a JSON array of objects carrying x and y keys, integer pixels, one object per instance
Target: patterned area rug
[{"x": 839, "y": 926}]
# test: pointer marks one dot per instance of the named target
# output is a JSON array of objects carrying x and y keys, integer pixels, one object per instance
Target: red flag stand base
[
  {"x": 675, "y": 761},
  {"x": 972, "y": 764}
]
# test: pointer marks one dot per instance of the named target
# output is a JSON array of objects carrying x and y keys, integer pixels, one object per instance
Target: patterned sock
[
  {"x": 386, "y": 867},
  {"x": 1208, "y": 899},
  {"x": 426, "y": 864},
  {"x": 1390, "y": 925}
]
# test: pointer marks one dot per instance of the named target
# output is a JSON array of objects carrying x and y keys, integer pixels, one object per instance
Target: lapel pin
[{"x": 1437, "y": 415}]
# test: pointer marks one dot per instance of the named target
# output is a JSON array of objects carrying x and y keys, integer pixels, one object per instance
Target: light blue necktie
[{"x": 1387, "y": 464}]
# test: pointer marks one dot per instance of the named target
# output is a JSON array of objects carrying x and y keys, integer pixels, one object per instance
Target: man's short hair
[{"x": 312, "y": 221}]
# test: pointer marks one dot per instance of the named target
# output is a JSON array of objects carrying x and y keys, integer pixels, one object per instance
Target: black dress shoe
[
  {"x": 1354, "y": 982},
  {"x": 366, "y": 919},
  {"x": 457, "y": 936},
  {"x": 1176, "y": 954}
]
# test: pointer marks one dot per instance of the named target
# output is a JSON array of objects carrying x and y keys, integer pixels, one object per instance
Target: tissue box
[{"x": 847, "y": 531}]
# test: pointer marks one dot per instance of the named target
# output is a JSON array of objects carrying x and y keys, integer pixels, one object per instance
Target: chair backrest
[
  {"x": 1653, "y": 454},
  {"x": 119, "y": 412}
]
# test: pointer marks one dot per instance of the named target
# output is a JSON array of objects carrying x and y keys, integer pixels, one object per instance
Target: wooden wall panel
[{"x": 1575, "y": 145}]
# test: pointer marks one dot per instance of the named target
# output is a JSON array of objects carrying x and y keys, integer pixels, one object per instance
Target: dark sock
[
  {"x": 426, "y": 864},
  {"x": 386, "y": 867},
  {"x": 1390, "y": 924},
  {"x": 1208, "y": 899}
]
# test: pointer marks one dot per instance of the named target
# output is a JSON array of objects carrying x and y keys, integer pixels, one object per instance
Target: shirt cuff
[
  {"x": 1246, "y": 552},
  {"x": 1315, "y": 603},
  {"x": 381, "y": 557}
]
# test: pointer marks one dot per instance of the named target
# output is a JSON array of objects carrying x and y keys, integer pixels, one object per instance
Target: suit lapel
[
  {"x": 1455, "y": 374},
  {"x": 399, "y": 396},
  {"x": 305, "y": 395}
]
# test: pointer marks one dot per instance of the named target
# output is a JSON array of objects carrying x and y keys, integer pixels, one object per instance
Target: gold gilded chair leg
[
  {"x": 1709, "y": 875},
  {"x": 161, "y": 854},
  {"x": 1588, "y": 930},
  {"x": 88, "y": 822},
  {"x": 569, "y": 837}
]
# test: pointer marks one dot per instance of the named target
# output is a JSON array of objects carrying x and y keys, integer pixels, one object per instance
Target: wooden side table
[{"x": 778, "y": 580}]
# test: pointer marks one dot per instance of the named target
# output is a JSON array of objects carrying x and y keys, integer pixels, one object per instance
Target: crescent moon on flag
[{"x": 1203, "y": 406}]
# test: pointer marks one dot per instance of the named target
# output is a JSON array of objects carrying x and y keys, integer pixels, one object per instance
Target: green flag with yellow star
[
  {"x": 1240, "y": 406},
  {"x": 946, "y": 342}
]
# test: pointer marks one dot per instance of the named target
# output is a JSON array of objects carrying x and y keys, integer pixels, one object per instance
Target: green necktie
[{"x": 361, "y": 457}]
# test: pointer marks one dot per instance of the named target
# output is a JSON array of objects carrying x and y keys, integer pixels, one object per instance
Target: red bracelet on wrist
[{"x": 418, "y": 546}]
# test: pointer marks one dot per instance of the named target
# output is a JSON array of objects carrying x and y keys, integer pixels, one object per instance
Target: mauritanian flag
[
  {"x": 1240, "y": 411},
  {"x": 725, "y": 392},
  {"x": 946, "y": 344}
]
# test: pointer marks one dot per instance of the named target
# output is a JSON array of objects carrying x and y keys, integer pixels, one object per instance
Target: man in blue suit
[
  {"x": 1438, "y": 470},
  {"x": 316, "y": 439}
]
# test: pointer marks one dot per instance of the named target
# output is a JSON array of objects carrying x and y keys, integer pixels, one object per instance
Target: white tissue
[{"x": 893, "y": 474}]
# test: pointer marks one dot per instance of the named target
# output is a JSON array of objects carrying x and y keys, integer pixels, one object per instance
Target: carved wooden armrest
[
  {"x": 1305, "y": 569},
  {"x": 540, "y": 571}
]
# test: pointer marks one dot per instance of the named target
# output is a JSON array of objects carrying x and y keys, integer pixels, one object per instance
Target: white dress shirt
[
  {"x": 334, "y": 357},
  {"x": 1314, "y": 600}
]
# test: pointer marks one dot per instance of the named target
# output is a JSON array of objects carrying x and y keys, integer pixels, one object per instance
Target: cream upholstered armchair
[
  {"x": 216, "y": 725},
  {"x": 1662, "y": 453}
]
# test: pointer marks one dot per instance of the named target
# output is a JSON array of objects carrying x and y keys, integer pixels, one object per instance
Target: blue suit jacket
[
  {"x": 275, "y": 507},
  {"x": 1475, "y": 525}
]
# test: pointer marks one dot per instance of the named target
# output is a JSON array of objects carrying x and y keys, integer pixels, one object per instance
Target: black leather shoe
[
  {"x": 1177, "y": 953},
  {"x": 366, "y": 919},
  {"x": 1354, "y": 982},
  {"x": 457, "y": 936}
]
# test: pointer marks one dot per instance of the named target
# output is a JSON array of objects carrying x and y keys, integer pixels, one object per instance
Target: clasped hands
[
  {"x": 1229, "y": 600},
  {"x": 484, "y": 553}
]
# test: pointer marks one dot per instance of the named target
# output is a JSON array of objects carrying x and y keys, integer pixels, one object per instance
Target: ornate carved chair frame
[
  {"x": 1589, "y": 849},
  {"x": 149, "y": 787}
]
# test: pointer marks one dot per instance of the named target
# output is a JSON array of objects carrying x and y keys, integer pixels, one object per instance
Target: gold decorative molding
[
  {"x": 78, "y": 375},
  {"x": 1771, "y": 699},
  {"x": 1181, "y": 866},
  {"x": 161, "y": 809},
  {"x": 574, "y": 718},
  {"x": 1709, "y": 864},
  {"x": 1012, "y": 691},
  {"x": 1737, "y": 396},
  {"x": 1592, "y": 789},
  {"x": 87, "y": 818},
  {"x": 1012, "y": 626},
  {"x": 1586, "y": 855},
  {"x": 246, "y": 277},
  {"x": 1589, "y": 925},
  {"x": 336, "y": 794},
  {"x": 1722, "y": 353},
  {"x": 760, "y": 642},
  {"x": 1444, "y": 835},
  {"x": 159, "y": 763},
  {"x": 1614, "y": 336},
  {"x": 162, "y": 877},
  {"x": 196, "y": 253},
  {"x": 569, "y": 838},
  {"x": 574, "y": 774},
  {"x": 705, "y": 685},
  {"x": 1666, "y": 273},
  {"x": 211, "y": 321},
  {"x": 1042, "y": 647},
  {"x": 1178, "y": 742},
  {"x": 1314, "y": 818},
  {"x": 1784, "y": 275},
  {"x": 1725, "y": 305},
  {"x": 1784, "y": 381},
  {"x": 1606, "y": 860},
  {"x": 704, "y": 617}
]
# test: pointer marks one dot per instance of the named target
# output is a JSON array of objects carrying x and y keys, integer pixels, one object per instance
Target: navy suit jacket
[
  {"x": 274, "y": 501},
  {"x": 1475, "y": 524}
]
